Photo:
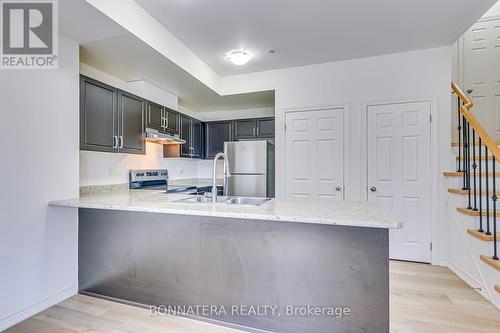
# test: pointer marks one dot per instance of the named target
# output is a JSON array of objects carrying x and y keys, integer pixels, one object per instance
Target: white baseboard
[
  {"x": 32, "y": 310},
  {"x": 472, "y": 282}
]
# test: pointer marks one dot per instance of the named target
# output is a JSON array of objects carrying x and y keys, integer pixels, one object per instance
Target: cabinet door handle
[
  {"x": 166, "y": 122},
  {"x": 253, "y": 131},
  {"x": 121, "y": 142},
  {"x": 257, "y": 131},
  {"x": 115, "y": 142}
]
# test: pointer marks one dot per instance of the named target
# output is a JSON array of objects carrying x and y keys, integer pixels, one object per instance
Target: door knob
[
  {"x": 338, "y": 188},
  {"x": 373, "y": 189}
]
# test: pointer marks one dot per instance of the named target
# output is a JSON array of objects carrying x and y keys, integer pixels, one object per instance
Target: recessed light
[{"x": 239, "y": 57}]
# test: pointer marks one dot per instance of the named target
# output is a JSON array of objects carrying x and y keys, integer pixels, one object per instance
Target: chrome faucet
[{"x": 214, "y": 175}]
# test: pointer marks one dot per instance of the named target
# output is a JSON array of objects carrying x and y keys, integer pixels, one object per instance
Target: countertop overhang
[{"x": 357, "y": 214}]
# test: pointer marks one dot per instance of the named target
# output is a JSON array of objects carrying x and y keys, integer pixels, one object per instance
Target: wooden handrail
[{"x": 481, "y": 132}]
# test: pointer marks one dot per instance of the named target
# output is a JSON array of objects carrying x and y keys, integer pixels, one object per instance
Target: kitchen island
[{"x": 283, "y": 266}]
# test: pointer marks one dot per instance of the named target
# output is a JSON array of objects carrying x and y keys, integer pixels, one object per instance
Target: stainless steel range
[{"x": 155, "y": 179}]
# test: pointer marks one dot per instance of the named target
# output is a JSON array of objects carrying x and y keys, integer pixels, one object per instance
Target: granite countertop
[{"x": 359, "y": 214}]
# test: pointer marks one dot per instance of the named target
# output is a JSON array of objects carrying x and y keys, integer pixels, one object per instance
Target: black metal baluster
[
  {"x": 494, "y": 198},
  {"x": 464, "y": 157},
  {"x": 487, "y": 194},
  {"x": 459, "y": 128},
  {"x": 474, "y": 166},
  {"x": 481, "y": 189},
  {"x": 468, "y": 165}
]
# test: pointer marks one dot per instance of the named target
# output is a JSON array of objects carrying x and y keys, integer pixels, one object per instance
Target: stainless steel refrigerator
[{"x": 251, "y": 168}]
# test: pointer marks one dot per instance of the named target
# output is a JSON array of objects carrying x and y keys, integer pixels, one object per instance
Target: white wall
[
  {"x": 236, "y": 114},
  {"x": 402, "y": 76},
  {"x": 493, "y": 11},
  {"x": 39, "y": 163}
]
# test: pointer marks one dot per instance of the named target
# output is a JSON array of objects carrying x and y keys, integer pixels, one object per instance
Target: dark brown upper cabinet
[
  {"x": 265, "y": 127},
  {"x": 245, "y": 129},
  {"x": 185, "y": 134},
  {"x": 131, "y": 124},
  {"x": 197, "y": 138},
  {"x": 171, "y": 121},
  {"x": 98, "y": 116},
  {"x": 259, "y": 128},
  {"x": 155, "y": 116},
  {"x": 191, "y": 130},
  {"x": 110, "y": 120},
  {"x": 216, "y": 133},
  {"x": 162, "y": 118}
]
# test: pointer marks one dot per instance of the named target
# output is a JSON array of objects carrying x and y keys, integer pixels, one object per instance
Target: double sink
[{"x": 226, "y": 200}]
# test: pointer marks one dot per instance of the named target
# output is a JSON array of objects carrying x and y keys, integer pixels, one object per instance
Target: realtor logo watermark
[{"x": 29, "y": 34}]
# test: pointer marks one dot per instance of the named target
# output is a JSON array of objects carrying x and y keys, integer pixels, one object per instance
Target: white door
[
  {"x": 315, "y": 154},
  {"x": 482, "y": 72},
  {"x": 398, "y": 142}
]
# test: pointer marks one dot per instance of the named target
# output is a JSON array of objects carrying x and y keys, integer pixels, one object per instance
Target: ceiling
[
  {"x": 305, "y": 32},
  {"x": 128, "y": 58},
  {"x": 311, "y": 31},
  {"x": 81, "y": 22},
  {"x": 107, "y": 46}
]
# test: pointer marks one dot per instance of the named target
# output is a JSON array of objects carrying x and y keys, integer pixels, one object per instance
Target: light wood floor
[{"x": 424, "y": 299}]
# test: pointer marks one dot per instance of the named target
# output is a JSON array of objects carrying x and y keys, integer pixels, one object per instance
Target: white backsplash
[
  {"x": 205, "y": 168},
  {"x": 98, "y": 168}
]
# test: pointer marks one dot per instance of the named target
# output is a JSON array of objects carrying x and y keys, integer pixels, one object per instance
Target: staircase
[{"x": 473, "y": 190}]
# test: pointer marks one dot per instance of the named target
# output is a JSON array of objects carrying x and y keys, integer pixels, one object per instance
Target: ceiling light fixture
[{"x": 239, "y": 57}]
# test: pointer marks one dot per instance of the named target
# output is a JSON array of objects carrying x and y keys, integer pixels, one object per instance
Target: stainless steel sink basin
[
  {"x": 246, "y": 201},
  {"x": 200, "y": 199}
]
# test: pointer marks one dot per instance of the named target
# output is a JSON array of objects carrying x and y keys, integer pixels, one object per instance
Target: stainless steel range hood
[{"x": 155, "y": 136}]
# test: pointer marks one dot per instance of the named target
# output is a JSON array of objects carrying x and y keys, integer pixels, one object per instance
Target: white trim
[
  {"x": 346, "y": 143},
  {"x": 436, "y": 190},
  {"x": 434, "y": 163},
  {"x": 486, "y": 293},
  {"x": 466, "y": 277},
  {"x": 32, "y": 310}
]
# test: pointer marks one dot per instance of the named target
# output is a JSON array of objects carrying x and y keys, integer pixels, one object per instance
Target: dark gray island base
[{"x": 278, "y": 269}]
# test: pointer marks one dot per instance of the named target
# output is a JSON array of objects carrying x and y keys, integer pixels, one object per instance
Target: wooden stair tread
[
  {"x": 465, "y": 192},
  {"x": 461, "y": 174},
  {"x": 497, "y": 288},
  {"x": 471, "y": 212},
  {"x": 490, "y": 261},
  {"x": 482, "y": 235}
]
